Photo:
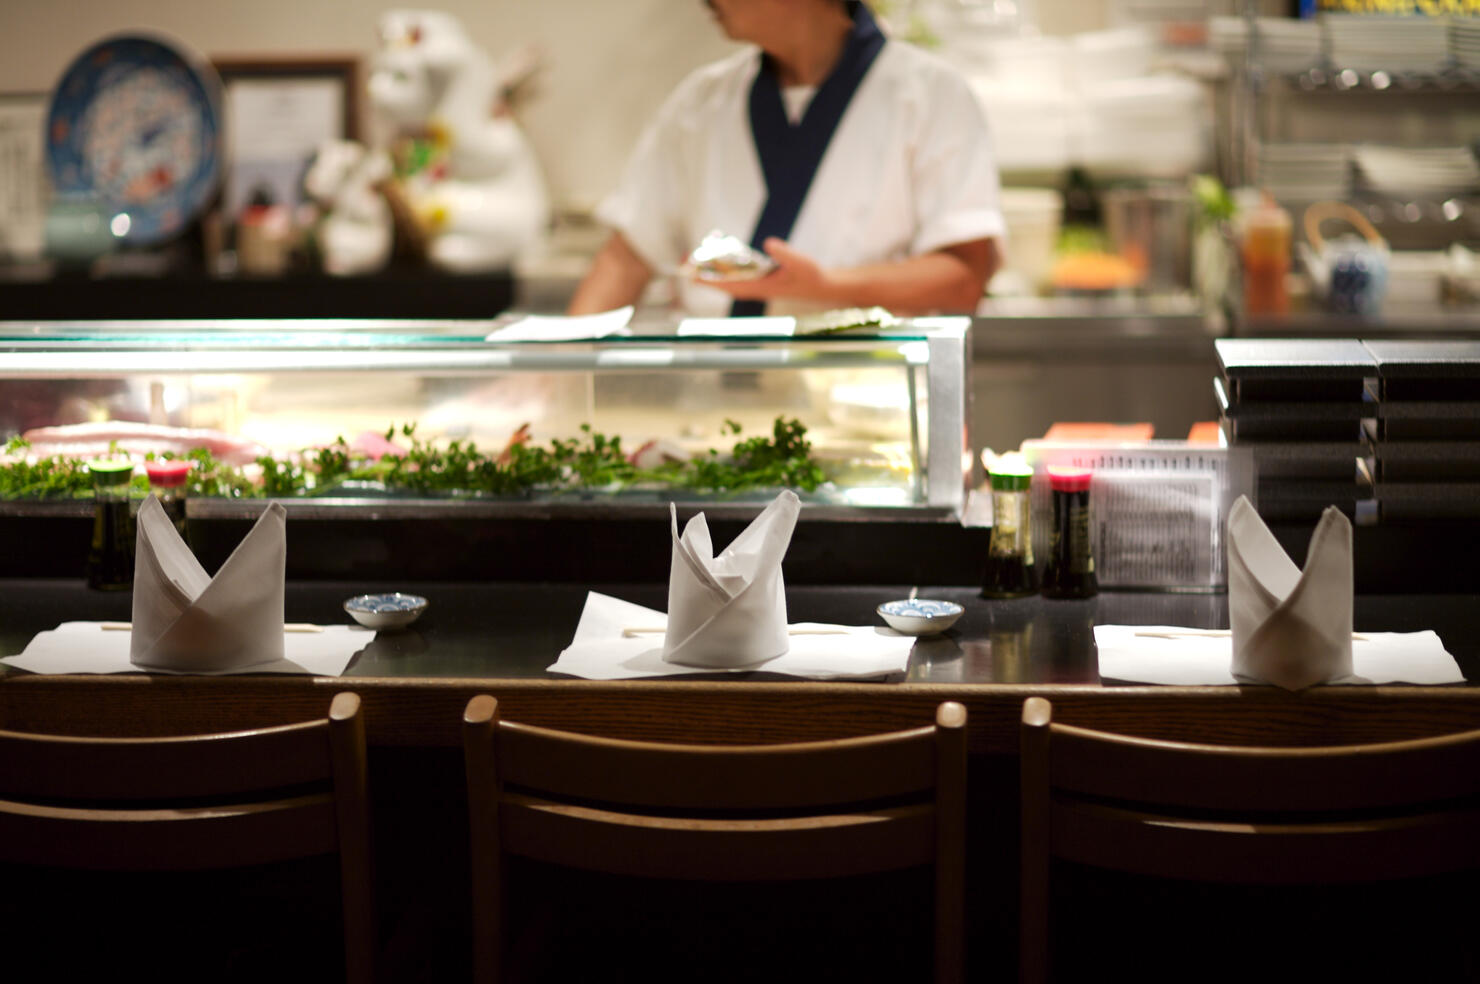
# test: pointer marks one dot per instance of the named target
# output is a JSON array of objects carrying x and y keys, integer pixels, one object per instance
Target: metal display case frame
[{"x": 934, "y": 353}]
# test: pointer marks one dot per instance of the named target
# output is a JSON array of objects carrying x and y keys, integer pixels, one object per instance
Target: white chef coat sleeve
[
  {"x": 956, "y": 185},
  {"x": 646, "y": 206}
]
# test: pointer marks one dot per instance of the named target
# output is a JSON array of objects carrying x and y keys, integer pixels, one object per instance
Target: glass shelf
[
  {"x": 1331, "y": 79},
  {"x": 886, "y": 410},
  {"x": 114, "y": 348}
]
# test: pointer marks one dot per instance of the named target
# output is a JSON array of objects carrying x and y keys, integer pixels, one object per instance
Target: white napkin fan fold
[
  {"x": 184, "y": 620},
  {"x": 729, "y": 610},
  {"x": 1290, "y": 627}
]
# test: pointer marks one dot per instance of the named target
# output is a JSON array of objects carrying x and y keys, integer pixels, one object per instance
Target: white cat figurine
[
  {"x": 470, "y": 178},
  {"x": 354, "y": 236}
]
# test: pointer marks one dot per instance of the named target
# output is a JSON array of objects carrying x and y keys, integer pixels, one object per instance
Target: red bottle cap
[
  {"x": 167, "y": 474},
  {"x": 1069, "y": 479}
]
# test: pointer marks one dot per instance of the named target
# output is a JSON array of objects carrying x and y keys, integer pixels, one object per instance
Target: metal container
[{"x": 1152, "y": 229}]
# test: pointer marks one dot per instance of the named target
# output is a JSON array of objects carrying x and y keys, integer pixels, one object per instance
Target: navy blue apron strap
[{"x": 790, "y": 155}]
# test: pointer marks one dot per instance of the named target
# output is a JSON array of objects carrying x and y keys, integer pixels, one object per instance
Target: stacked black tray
[
  {"x": 1427, "y": 432},
  {"x": 1307, "y": 409}
]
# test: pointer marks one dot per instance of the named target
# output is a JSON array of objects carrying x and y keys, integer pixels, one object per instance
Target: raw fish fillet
[
  {"x": 91, "y": 440},
  {"x": 376, "y": 446}
]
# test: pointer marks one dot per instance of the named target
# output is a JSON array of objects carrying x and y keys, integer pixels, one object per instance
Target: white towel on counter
[
  {"x": 186, "y": 621},
  {"x": 617, "y": 640},
  {"x": 1291, "y": 627},
  {"x": 729, "y": 611},
  {"x": 1187, "y": 657},
  {"x": 103, "y": 647}
]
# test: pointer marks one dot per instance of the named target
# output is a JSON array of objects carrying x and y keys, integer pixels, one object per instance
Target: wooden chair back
[
  {"x": 716, "y": 813},
  {"x": 1237, "y": 815},
  {"x": 199, "y": 802}
]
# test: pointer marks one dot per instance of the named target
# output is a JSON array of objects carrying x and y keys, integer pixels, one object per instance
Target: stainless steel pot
[{"x": 1152, "y": 228}]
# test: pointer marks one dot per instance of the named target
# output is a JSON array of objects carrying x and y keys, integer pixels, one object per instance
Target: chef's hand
[
  {"x": 949, "y": 279},
  {"x": 797, "y": 275}
]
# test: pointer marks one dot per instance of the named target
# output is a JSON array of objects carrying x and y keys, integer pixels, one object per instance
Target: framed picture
[
  {"x": 278, "y": 111},
  {"x": 23, "y": 184}
]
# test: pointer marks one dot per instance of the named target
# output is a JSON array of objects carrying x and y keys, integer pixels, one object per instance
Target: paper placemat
[
  {"x": 1186, "y": 657},
  {"x": 87, "y": 647},
  {"x": 562, "y": 328},
  {"x": 617, "y": 640}
]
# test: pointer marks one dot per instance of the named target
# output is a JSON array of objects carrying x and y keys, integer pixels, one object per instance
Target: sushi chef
[{"x": 859, "y": 165}]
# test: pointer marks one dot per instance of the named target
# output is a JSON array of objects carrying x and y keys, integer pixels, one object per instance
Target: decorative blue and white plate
[
  {"x": 386, "y": 611},
  {"x": 920, "y": 616},
  {"x": 135, "y": 124}
]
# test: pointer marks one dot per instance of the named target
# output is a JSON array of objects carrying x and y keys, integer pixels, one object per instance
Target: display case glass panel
[{"x": 884, "y": 411}]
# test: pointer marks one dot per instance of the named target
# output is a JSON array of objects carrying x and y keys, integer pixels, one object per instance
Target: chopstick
[
  {"x": 1209, "y": 634},
  {"x": 632, "y": 632},
  {"x": 287, "y": 627}
]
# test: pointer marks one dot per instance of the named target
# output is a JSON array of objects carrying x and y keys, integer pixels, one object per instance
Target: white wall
[{"x": 610, "y": 62}]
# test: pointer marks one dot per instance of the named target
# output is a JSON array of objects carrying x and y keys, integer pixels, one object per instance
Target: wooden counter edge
[{"x": 426, "y": 711}]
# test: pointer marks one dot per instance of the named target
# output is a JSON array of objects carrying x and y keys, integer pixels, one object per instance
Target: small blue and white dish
[
  {"x": 920, "y": 616},
  {"x": 386, "y": 611}
]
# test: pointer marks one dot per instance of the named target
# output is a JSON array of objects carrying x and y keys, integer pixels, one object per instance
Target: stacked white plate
[
  {"x": 1030, "y": 126},
  {"x": 1415, "y": 170},
  {"x": 1463, "y": 274},
  {"x": 1415, "y": 278},
  {"x": 1367, "y": 43},
  {"x": 1228, "y": 36},
  {"x": 1305, "y": 172},
  {"x": 1033, "y": 216},
  {"x": 1095, "y": 57},
  {"x": 1286, "y": 46},
  {"x": 1464, "y": 41},
  {"x": 1154, "y": 126},
  {"x": 1019, "y": 62},
  {"x": 1156, "y": 11}
]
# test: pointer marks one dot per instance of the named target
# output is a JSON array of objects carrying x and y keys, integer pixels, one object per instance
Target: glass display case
[{"x": 323, "y": 402}]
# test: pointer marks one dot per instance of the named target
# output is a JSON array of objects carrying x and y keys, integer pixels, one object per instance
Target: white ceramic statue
[
  {"x": 354, "y": 235},
  {"x": 465, "y": 170}
]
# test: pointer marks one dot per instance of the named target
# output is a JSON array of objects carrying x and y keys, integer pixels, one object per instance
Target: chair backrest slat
[
  {"x": 194, "y": 766},
  {"x": 199, "y": 802},
  {"x": 1364, "y": 850},
  {"x": 1251, "y": 815},
  {"x": 167, "y": 839},
  {"x": 658, "y": 775},
  {"x": 718, "y": 850},
  {"x": 850, "y": 806},
  {"x": 1196, "y": 776}
]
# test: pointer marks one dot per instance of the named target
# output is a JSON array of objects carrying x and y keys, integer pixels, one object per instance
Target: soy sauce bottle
[
  {"x": 1009, "y": 569},
  {"x": 110, "y": 559},
  {"x": 167, "y": 482},
  {"x": 1070, "y": 570}
]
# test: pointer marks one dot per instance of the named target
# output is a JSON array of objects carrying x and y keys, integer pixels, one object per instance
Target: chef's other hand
[{"x": 796, "y": 275}]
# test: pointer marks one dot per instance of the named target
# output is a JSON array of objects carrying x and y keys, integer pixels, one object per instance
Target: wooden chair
[
  {"x": 1248, "y": 816},
  {"x": 720, "y": 813},
  {"x": 200, "y": 802}
]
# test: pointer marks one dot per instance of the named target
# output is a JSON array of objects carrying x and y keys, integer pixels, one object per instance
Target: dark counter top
[
  {"x": 503, "y": 630},
  {"x": 393, "y": 294}
]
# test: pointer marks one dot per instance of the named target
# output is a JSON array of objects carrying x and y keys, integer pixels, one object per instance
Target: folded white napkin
[
  {"x": 729, "y": 610},
  {"x": 1291, "y": 628},
  {"x": 186, "y": 621},
  {"x": 617, "y": 640}
]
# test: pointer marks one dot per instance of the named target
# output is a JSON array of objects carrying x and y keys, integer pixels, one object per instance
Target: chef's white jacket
[{"x": 909, "y": 170}]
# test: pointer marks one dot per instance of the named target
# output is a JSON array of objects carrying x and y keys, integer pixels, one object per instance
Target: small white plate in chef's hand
[
  {"x": 920, "y": 616},
  {"x": 386, "y": 611}
]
